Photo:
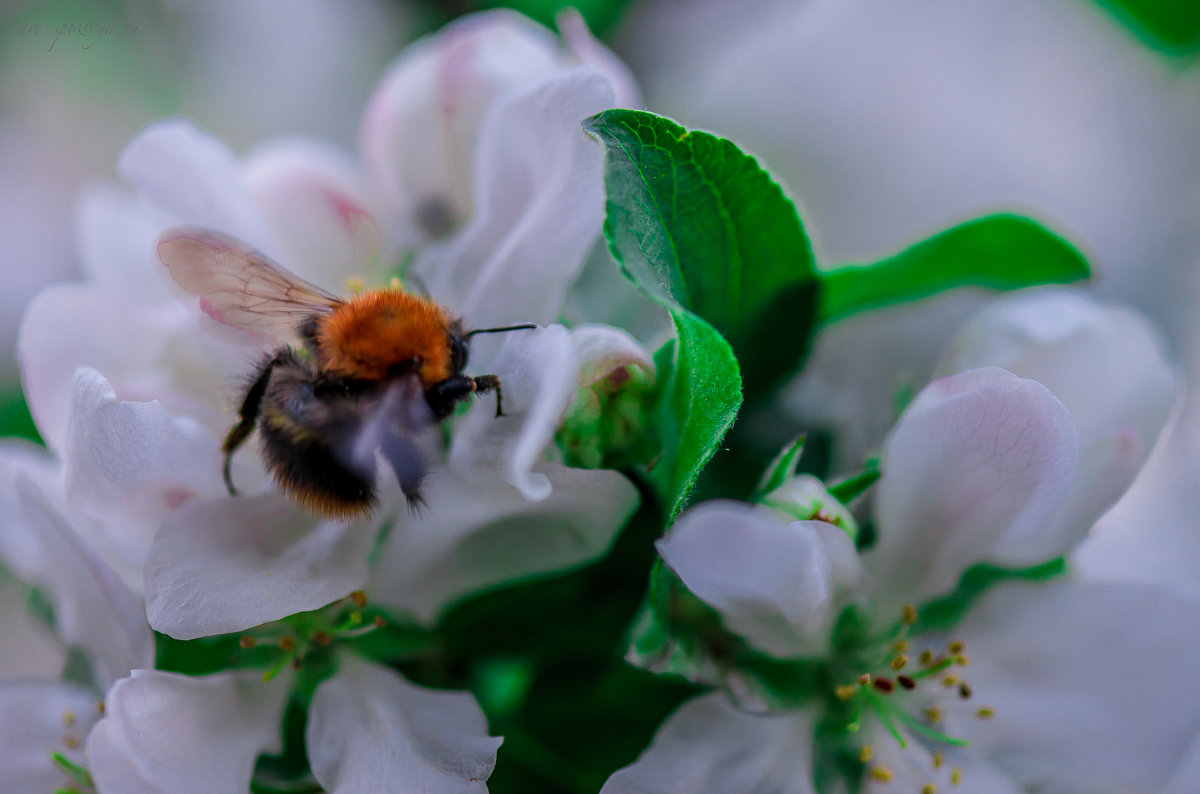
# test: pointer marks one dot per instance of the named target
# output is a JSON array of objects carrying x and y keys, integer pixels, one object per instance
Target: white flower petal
[
  {"x": 222, "y": 565},
  {"x": 779, "y": 585},
  {"x": 591, "y": 52},
  {"x": 1105, "y": 363},
  {"x": 128, "y": 465},
  {"x": 313, "y": 198},
  {"x": 477, "y": 531},
  {"x": 36, "y": 718},
  {"x": 974, "y": 471},
  {"x": 602, "y": 350},
  {"x": 370, "y": 730},
  {"x": 538, "y": 372},
  {"x": 709, "y": 747},
  {"x": 1088, "y": 683},
  {"x": 961, "y": 770},
  {"x": 93, "y": 610},
  {"x": 116, "y": 240},
  {"x": 421, "y": 128},
  {"x": 196, "y": 177},
  {"x": 540, "y": 206},
  {"x": 165, "y": 733},
  {"x": 147, "y": 353}
]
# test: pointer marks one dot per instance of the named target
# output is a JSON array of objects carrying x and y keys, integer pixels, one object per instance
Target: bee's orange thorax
[{"x": 381, "y": 328}]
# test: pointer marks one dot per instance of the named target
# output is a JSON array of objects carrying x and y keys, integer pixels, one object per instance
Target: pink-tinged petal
[
  {"x": 1088, "y": 683},
  {"x": 538, "y": 371},
  {"x": 780, "y": 585},
  {"x": 165, "y": 733},
  {"x": 602, "y": 350},
  {"x": 1107, "y": 364},
  {"x": 221, "y": 565},
  {"x": 421, "y": 128},
  {"x": 974, "y": 472},
  {"x": 370, "y": 730},
  {"x": 93, "y": 610},
  {"x": 128, "y": 465},
  {"x": 147, "y": 353},
  {"x": 589, "y": 51},
  {"x": 116, "y": 238},
  {"x": 477, "y": 531},
  {"x": 709, "y": 747},
  {"x": 194, "y": 176},
  {"x": 313, "y": 198},
  {"x": 540, "y": 206},
  {"x": 36, "y": 719}
]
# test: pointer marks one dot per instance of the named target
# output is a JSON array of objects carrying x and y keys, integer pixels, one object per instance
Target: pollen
[
  {"x": 866, "y": 753},
  {"x": 955, "y": 776},
  {"x": 938, "y": 759},
  {"x": 882, "y": 774}
]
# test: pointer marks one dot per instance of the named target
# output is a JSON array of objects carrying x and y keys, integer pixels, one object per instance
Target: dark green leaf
[
  {"x": 15, "y": 419},
  {"x": 698, "y": 225},
  {"x": 1000, "y": 252},
  {"x": 699, "y": 393},
  {"x": 1172, "y": 26}
]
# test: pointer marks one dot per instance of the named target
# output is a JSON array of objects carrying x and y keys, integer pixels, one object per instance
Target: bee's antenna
[{"x": 521, "y": 327}]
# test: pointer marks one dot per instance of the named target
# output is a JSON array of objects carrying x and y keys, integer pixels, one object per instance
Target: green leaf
[
  {"x": 699, "y": 393},
  {"x": 699, "y": 225},
  {"x": 15, "y": 419},
  {"x": 1172, "y": 26},
  {"x": 1000, "y": 252},
  {"x": 943, "y": 614}
]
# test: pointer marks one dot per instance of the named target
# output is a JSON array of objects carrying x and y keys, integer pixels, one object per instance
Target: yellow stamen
[
  {"x": 882, "y": 774},
  {"x": 955, "y": 776},
  {"x": 68, "y": 718},
  {"x": 71, "y": 742},
  {"x": 955, "y": 647},
  {"x": 900, "y": 646},
  {"x": 926, "y": 658},
  {"x": 933, "y": 715},
  {"x": 355, "y": 284},
  {"x": 938, "y": 760},
  {"x": 247, "y": 642},
  {"x": 985, "y": 713},
  {"x": 359, "y": 598},
  {"x": 910, "y": 614},
  {"x": 866, "y": 753},
  {"x": 845, "y": 692},
  {"x": 929, "y": 788},
  {"x": 865, "y": 679},
  {"x": 899, "y": 662},
  {"x": 950, "y": 681},
  {"x": 287, "y": 643}
]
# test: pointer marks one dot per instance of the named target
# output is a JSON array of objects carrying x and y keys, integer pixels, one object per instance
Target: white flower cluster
[{"x": 474, "y": 174}]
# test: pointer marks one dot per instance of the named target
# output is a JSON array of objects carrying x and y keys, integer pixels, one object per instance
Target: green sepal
[
  {"x": 854, "y": 486},
  {"x": 944, "y": 613},
  {"x": 998, "y": 252},
  {"x": 781, "y": 469},
  {"x": 15, "y": 419},
  {"x": 77, "y": 772}
]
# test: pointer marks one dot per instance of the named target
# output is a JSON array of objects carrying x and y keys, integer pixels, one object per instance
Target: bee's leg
[
  {"x": 486, "y": 383},
  {"x": 249, "y": 414}
]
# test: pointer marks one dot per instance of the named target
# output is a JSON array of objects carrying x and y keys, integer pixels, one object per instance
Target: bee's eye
[{"x": 458, "y": 353}]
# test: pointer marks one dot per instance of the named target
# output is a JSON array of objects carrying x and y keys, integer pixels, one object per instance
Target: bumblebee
[{"x": 356, "y": 375}]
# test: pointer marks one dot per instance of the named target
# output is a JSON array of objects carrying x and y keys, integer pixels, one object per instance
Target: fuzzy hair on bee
[{"x": 352, "y": 379}]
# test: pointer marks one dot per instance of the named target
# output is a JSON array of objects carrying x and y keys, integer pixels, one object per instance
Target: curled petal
[
  {"x": 1107, "y": 364},
  {"x": 591, "y": 52},
  {"x": 540, "y": 206},
  {"x": 422, "y": 124},
  {"x": 169, "y": 733},
  {"x": 195, "y": 177},
  {"x": 477, "y": 531},
  {"x": 37, "y": 718},
  {"x": 709, "y": 747},
  {"x": 128, "y": 465},
  {"x": 779, "y": 585},
  {"x": 312, "y": 196},
  {"x": 538, "y": 371},
  {"x": 603, "y": 350},
  {"x": 974, "y": 471},
  {"x": 370, "y": 730},
  {"x": 220, "y": 565}
]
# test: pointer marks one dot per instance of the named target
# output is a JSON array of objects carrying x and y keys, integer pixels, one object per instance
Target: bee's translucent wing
[{"x": 239, "y": 286}]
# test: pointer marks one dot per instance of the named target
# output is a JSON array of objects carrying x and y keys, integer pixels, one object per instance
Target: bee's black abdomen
[{"x": 312, "y": 474}]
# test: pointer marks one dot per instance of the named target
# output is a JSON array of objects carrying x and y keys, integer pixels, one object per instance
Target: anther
[
  {"x": 955, "y": 647},
  {"x": 882, "y": 774},
  {"x": 296, "y": 663},
  {"x": 929, "y": 788},
  {"x": 955, "y": 776},
  {"x": 964, "y": 690},
  {"x": 938, "y": 760},
  {"x": 247, "y": 642},
  {"x": 900, "y": 646},
  {"x": 865, "y": 679},
  {"x": 355, "y": 284},
  {"x": 926, "y": 658},
  {"x": 866, "y": 753},
  {"x": 910, "y": 614},
  {"x": 287, "y": 643},
  {"x": 322, "y": 638},
  {"x": 359, "y": 598},
  {"x": 378, "y": 622},
  {"x": 961, "y": 659},
  {"x": 68, "y": 718},
  {"x": 907, "y": 682},
  {"x": 71, "y": 742},
  {"x": 985, "y": 713},
  {"x": 933, "y": 715},
  {"x": 899, "y": 662},
  {"x": 845, "y": 692},
  {"x": 884, "y": 685},
  {"x": 950, "y": 681}
]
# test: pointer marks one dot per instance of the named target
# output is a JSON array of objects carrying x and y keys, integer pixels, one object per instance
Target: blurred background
[{"x": 887, "y": 120}]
